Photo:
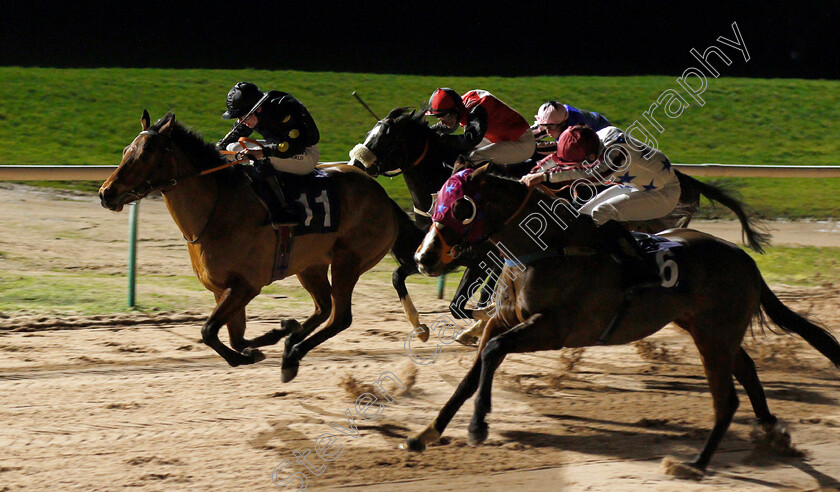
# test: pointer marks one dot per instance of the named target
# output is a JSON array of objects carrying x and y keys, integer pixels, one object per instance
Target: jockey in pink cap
[
  {"x": 552, "y": 118},
  {"x": 492, "y": 129}
]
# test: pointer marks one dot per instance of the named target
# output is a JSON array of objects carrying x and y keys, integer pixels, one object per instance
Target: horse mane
[
  {"x": 191, "y": 142},
  {"x": 409, "y": 116}
]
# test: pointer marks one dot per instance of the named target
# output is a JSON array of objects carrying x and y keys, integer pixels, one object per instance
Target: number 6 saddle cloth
[{"x": 667, "y": 255}]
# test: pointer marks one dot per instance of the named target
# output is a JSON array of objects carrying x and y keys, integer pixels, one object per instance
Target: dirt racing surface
[{"x": 136, "y": 401}]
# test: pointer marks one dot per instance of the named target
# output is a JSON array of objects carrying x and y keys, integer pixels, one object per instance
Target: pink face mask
[{"x": 473, "y": 228}]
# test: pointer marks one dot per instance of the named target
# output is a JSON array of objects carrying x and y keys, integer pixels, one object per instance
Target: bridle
[
  {"x": 147, "y": 187},
  {"x": 450, "y": 253}
]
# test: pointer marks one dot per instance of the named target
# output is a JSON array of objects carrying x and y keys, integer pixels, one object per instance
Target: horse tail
[
  {"x": 756, "y": 235},
  {"x": 817, "y": 336}
]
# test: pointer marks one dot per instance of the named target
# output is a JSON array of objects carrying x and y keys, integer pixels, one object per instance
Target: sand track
[{"x": 136, "y": 401}]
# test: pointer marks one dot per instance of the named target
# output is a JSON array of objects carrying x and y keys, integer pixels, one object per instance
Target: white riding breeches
[
  {"x": 297, "y": 164},
  {"x": 625, "y": 203},
  {"x": 507, "y": 151}
]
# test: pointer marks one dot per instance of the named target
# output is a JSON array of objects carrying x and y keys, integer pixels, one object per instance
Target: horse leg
[
  {"x": 345, "y": 273},
  {"x": 748, "y": 377},
  {"x": 229, "y": 305},
  {"x": 470, "y": 282},
  {"x": 236, "y": 332},
  {"x": 538, "y": 332},
  {"x": 719, "y": 363},
  {"x": 398, "y": 280},
  {"x": 465, "y": 390}
]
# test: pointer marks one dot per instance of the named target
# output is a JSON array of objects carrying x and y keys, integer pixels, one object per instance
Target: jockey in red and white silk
[
  {"x": 492, "y": 129},
  {"x": 644, "y": 183}
]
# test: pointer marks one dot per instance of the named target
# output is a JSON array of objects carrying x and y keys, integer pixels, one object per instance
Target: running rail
[{"x": 101, "y": 173}]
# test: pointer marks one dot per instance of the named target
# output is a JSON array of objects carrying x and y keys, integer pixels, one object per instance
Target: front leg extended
[{"x": 230, "y": 302}]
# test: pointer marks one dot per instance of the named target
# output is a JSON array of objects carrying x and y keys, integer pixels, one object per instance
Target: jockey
[
  {"x": 492, "y": 130},
  {"x": 552, "y": 118},
  {"x": 644, "y": 185},
  {"x": 291, "y": 136}
]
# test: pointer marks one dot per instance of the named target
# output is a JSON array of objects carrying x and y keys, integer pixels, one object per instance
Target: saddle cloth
[
  {"x": 314, "y": 199},
  {"x": 666, "y": 254}
]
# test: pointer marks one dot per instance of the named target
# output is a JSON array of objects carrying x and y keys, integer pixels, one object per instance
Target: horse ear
[
  {"x": 460, "y": 164},
  {"x": 145, "y": 121},
  {"x": 169, "y": 122},
  {"x": 395, "y": 113},
  {"x": 478, "y": 174},
  {"x": 494, "y": 168}
]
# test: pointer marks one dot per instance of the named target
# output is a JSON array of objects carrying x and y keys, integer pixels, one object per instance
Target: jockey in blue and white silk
[{"x": 644, "y": 185}]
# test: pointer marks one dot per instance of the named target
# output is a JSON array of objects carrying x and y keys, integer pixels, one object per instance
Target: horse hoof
[
  {"x": 288, "y": 373},
  {"x": 290, "y": 325},
  {"x": 467, "y": 340},
  {"x": 424, "y": 335},
  {"x": 679, "y": 469},
  {"x": 414, "y": 444},
  {"x": 477, "y": 436},
  {"x": 254, "y": 354}
]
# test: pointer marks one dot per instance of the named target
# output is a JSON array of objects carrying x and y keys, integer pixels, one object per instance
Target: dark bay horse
[
  {"x": 403, "y": 142},
  {"x": 569, "y": 297},
  {"x": 233, "y": 250}
]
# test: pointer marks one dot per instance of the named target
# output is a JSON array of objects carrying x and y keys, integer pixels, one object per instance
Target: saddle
[{"x": 312, "y": 197}]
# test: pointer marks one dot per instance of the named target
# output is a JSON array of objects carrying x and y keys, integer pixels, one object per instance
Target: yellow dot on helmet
[
  {"x": 294, "y": 133},
  {"x": 283, "y": 146}
]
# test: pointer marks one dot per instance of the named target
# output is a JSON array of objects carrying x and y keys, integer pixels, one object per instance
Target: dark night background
[{"x": 785, "y": 39}]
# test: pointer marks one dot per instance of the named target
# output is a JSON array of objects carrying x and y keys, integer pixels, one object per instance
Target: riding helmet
[
  {"x": 444, "y": 101},
  {"x": 241, "y": 98}
]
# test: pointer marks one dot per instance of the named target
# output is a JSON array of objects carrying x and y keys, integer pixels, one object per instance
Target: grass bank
[{"x": 87, "y": 116}]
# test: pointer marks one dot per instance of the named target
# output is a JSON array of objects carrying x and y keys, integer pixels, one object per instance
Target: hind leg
[
  {"x": 718, "y": 362},
  {"x": 398, "y": 281},
  {"x": 748, "y": 377},
  {"x": 346, "y": 270},
  {"x": 538, "y": 332}
]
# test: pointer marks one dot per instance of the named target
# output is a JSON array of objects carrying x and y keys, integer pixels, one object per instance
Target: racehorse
[
  {"x": 404, "y": 143},
  {"x": 394, "y": 147},
  {"x": 566, "y": 297},
  {"x": 233, "y": 251}
]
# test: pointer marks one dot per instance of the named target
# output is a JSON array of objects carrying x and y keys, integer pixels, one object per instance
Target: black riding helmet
[{"x": 241, "y": 98}]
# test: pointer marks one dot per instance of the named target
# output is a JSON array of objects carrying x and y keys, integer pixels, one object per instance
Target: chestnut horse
[
  {"x": 232, "y": 248},
  {"x": 570, "y": 297}
]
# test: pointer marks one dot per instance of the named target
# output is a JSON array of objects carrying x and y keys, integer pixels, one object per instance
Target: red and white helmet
[
  {"x": 444, "y": 101},
  {"x": 551, "y": 113}
]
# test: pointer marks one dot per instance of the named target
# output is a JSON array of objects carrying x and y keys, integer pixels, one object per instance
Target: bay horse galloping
[
  {"x": 403, "y": 143},
  {"x": 233, "y": 251},
  {"x": 567, "y": 295}
]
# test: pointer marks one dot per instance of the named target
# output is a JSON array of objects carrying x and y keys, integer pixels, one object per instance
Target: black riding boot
[
  {"x": 639, "y": 271},
  {"x": 267, "y": 186},
  {"x": 281, "y": 215}
]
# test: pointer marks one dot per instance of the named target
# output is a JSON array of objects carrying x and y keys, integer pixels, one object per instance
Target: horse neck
[
  {"x": 428, "y": 175},
  {"x": 523, "y": 234},
  {"x": 192, "y": 200}
]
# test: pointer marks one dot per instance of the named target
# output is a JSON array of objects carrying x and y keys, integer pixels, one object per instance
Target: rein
[
  {"x": 148, "y": 187},
  {"x": 391, "y": 174}
]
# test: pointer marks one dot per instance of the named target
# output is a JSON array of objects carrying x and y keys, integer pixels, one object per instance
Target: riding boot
[
  {"x": 264, "y": 179},
  {"x": 638, "y": 273},
  {"x": 281, "y": 215},
  {"x": 638, "y": 269}
]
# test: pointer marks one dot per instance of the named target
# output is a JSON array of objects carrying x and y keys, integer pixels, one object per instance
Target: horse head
[
  {"x": 471, "y": 207},
  {"x": 395, "y": 143},
  {"x": 146, "y": 165}
]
